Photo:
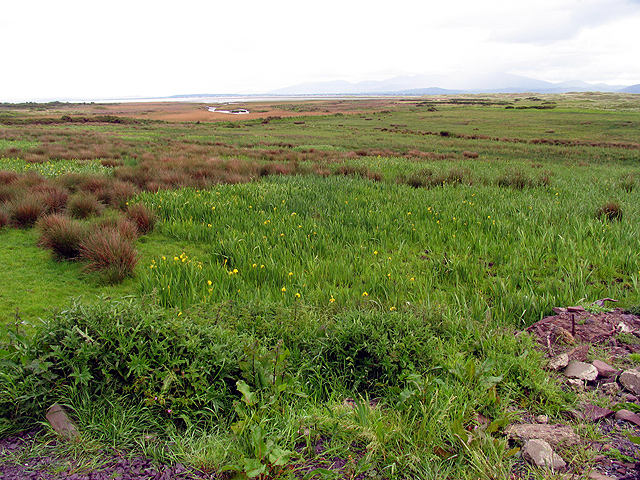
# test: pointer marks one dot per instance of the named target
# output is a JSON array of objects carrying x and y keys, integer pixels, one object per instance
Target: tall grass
[{"x": 351, "y": 242}]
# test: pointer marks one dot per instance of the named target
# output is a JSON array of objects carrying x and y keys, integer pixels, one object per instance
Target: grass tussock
[
  {"x": 110, "y": 253},
  {"x": 62, "y": 235},
  {"x": 519, "y": 179},
  {"x": 84, "y": 205},
  {"x": 25, "y": 211},
  {"x": 427, "y": 178},
  {"x": 7, "y": 177},
  {"x": 143, "y": 217},
  {"x": 609, "y": 211}
]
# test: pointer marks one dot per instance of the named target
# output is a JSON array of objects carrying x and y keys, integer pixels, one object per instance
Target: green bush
[{"x": 115, "y": 348}]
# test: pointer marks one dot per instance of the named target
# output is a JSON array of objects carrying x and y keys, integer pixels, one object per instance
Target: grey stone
[
  {"x": 559, "y": 361},
  {"x": 576, "y": 384},
  {"x": 628, "y": 416},
  {"x": 542, "y": 419},
  {"x": 61, "y": 423},
  {"x": 553, "y": 434},
  {"x": 604, "y": 369},
  {"x": 610, "y": 388},
  {"x": 541, "y": 454},
  {"x": 581, "y": 371},
  {"x": 630, "y": 379}
]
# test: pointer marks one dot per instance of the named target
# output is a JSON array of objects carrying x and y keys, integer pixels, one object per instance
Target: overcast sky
[{"x": 80, "y": 49}]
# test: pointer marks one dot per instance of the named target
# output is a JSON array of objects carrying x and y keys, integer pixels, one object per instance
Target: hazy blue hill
[
  {"x": 631, "y": 89},
  {"x": 459, "y": 82}
]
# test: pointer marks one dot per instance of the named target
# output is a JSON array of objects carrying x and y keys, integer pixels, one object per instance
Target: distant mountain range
[{"x": 449, "y": 84}]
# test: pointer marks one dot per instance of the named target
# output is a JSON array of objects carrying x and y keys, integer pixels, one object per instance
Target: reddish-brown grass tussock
[
  {"x": 4, "y": 218},
  {"x": 83, "y": 205},
  {"x": 54, "y": 198},
  {"x": 609, "y": 211},
  {"x": 7, "y": 177},
  {"x": 125, "y": 226},
  {"x": 110, "y": 253},
  {"x": 61, "y": 235},
  {"x": 25, "y": 211},
  {"x": 143, "y": 217}
]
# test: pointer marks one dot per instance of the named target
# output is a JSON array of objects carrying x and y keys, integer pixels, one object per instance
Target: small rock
[
  {"x": 553, "y": 434},
  {"x": 542, "y": 419},
  {"x": 61, "y": 423},
  {"x": 599, "y": 476},
  {"x": 630, "y": 398},
  {"x": 610, "y": 388},
  {"x": 630, "y": 379},
  {"x": 595, "y": 413},
  {"x": 581, "y": 370},
  {"x": 628, "y": 416},
  {"x": 558, "y": 362},
  {"x": 604, "y": 369},
  {"x": 624, "y": 328},
  {"x": 579, "y": 353},
  {"x": 541, "y": 454},
  {"x": 564, "y": 336},
  {"x": 575, "y": 384},
  {"x": 579, "y": 308}
]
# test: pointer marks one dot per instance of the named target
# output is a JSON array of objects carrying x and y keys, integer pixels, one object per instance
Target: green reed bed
[
  {"x": 54, "y": 168},
  {"x": 352, "y": 242}
]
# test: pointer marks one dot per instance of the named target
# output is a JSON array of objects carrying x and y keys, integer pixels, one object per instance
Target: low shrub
[
  {"x": 110, "y": 253},
  {"x": 83, "y": 205},
  {"x": 122, "y": 349},
  {"x": 61, "y": 235},
  {"x": 143, "y": 217},
  {"x": 609, "y": 211}
]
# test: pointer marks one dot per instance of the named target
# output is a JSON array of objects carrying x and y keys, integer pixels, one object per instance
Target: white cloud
[{"x": 75, "y": 48}]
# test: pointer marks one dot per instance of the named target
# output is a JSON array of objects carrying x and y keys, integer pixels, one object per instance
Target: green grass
[
  {"x": 352, "y": 242},
  {"x": 54, "y": 168},
  {"x": 34, "y": 285},
  {"x": 258, "y": 309}
]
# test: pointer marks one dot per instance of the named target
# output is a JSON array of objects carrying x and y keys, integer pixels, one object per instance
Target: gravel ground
[{"x": 111, "y": 467}]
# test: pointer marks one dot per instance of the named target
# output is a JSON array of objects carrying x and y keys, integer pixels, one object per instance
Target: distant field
[{"x": 458, "y": 220}]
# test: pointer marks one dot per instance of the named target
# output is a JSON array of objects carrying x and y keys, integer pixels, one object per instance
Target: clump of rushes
[
  {"x": 54, "y": 198},
  {"x": 7, "y": 193},
  {"x": 7, "y": 177},
  {"x": 144, "y": 218},
  {"x": 609, "y": 211},
  {"x": 109, "y": 253},
  {"x": 126, "y": 227},
  {"x": 83, "y": 205},
  {"x": 24, "y": 212},
  {"x": 4, "y": 218},
  {"x": 61, "y": 235}
]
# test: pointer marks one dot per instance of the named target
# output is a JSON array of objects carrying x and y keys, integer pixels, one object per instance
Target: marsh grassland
[{"x": 327, "y": 289}]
